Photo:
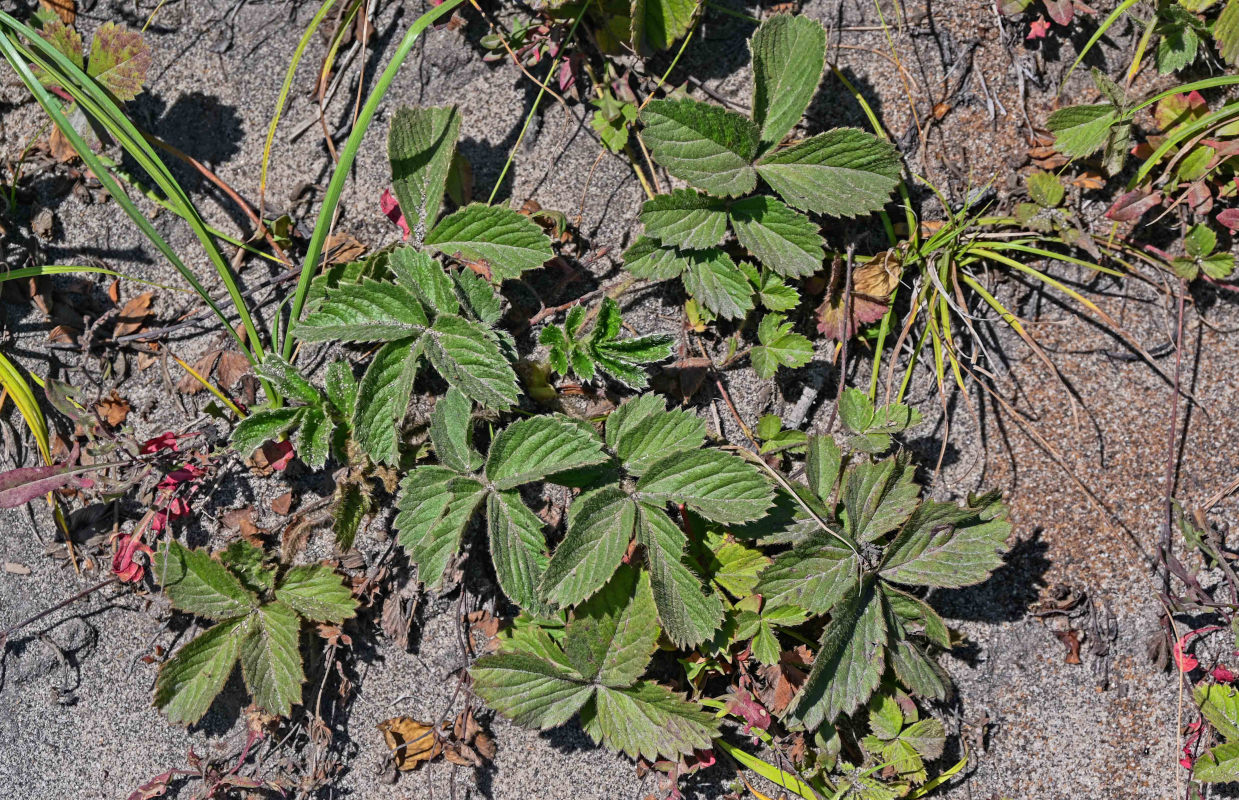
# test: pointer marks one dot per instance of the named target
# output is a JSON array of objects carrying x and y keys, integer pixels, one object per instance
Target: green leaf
[
  {"x": 199, "y": 584},
  {"x": 1226, "y": 33},
  {"x": 732, "y": 566},
  {"x": 67, "y": 41},
  {"x": 613, "y": 635},
  {"x": 1220, "y": 705},
  {"x": 350, "y": 506},
  {"x": 856, "y": 410},
  {"x": 786, "y": 241},
  {"x": 688, "y": 612},
  {"x": 478, "y": 296},
  {"x": 772, "y": 292},
  {"x": 1218, "y": 266},
  {"x": 509, "y": 242},
  {"x": 385, "y": 388},
  {"x": 623, "y": 359},
  {"x": 529, "y": 690},
  {"x": 517, "y": 548},
  {"x": 844, "y": 172},
  {"x": 341, "y": 388},
  {"x": 885, "y": 716},
  {"x": 312, "y": 439},
  {"x": 317, "y": 593},
  {"x": 534, "y": 448},
  {"x": 718, "y": 485},
  {"x": 879, "y": 497},
  {"x": 1080, "y": 131},
  {"x": 426, "y": 278},
  {"x": 270, "y": 660},
  {"x": 190, "y": 680},
  {"x": 1045, "y": 189},
  {"x": 600, "y": 525},
  {"x": 420, "y": 145},
  {"x": 648, "y": 721},
  {"x": 286, "y": 380},
  {"x": 1218, "y": 764},
  {"x": 814, "y": 575},
  {"x": 927, "y": 737},
  {"x": 949, "y": 546},
  {"x": 715, "y": 281},
  {"x": 850, "y": 660},
  {"x": 451, "y": 432},
  {"x": 658, "y": 24},
  {"x": 918, "y": 671},
  {"x": 707, "y": 146},
  {"x": 245, "y": 561},
  {"x": 368, "y": 311},
  {"x": 261, "y": 427},
  {"x": 1176, "y": 48},
  {"x": 119, "y": 60},
  {"x": 435, "y": 504},
  {"x": 779, "y": 347},
  {"x": 914, "y": 609},
  {"x": 466, "y": 355},
  {"x": 789, "y": 54},
  {"x": 647, "y": 258},
  {"x": 1200, "y": 241},
  {"x": 642, "y": 431},
  {"x": 685, "y": 218},
  {"x": 823, "y": 460}
]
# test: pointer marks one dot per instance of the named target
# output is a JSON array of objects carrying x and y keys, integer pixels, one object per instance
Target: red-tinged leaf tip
[
  {"x": 391, "y": 208},
  {"x": 278, "y": 454},
  {"x": 1038, "y": 28}
]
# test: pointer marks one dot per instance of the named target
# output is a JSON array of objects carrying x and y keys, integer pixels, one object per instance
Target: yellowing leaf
[{"x": 411, "y": 742}]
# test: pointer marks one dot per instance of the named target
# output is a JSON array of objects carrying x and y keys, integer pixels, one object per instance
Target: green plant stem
[
  {"x": 331, "y": 198},
  {"x": 536, "y": 102}
]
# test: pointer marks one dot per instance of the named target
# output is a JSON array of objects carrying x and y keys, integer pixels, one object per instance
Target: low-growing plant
[
  {"x": 721, "y": 154},
  {"x": 602, "y": 353},
  {"x": 258, "y": 609}
]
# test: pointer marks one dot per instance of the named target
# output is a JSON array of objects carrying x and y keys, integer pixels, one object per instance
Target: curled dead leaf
[
  {"x": 411, "y": 742},
  {"x": 133, "y": 315},
  {"x": 113, "y": 409},
  {"x": 872, "y": 284}
]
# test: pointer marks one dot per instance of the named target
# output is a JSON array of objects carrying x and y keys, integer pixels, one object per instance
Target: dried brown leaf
[
  {"x": 133, "y": 315},
  {"x": 283, "y": 504},
  {"x": 411, "y": 742},
  {"x": 65, "y": 9},
  {"x": 113, "y": 409}
]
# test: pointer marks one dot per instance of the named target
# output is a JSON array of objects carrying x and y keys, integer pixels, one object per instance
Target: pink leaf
[
  {"x": 1223, "y": 675},
  {"x": 1132, "y": 205},
  {"x": 391, "y": 208},
  {"x": 164, "y": 441},
  {"x": 20, "y": 486},
  {"x": 1038, "y": 28},
  {"x": 278, "y": 454},
  {"x": 1229, "y": 218},
  {"x": 1061, "y": 11}
]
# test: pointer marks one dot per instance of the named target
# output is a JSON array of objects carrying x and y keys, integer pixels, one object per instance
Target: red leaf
[
  {"x": 1038, "y": 28},
  {"x": 1229, "y": 218},
  {"x": 390, "y": 207},
  {"x": 1061, "y": 11},
  {"x": 20, "y": 486}
]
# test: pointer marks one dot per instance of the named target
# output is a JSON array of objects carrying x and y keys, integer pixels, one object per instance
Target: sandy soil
[{"x": 75, "y": 715}]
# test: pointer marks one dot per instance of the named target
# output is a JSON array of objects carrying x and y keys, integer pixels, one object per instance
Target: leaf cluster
[
  {"x": 258, "y": 611},
  {"x": 601, "y": 353}
]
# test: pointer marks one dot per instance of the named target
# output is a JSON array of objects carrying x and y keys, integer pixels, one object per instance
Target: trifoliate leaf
[
  {"x": 199, "y": 584},
  {"x": 435, "y": 504},
  {"x": 451, "y": 432},
  {"x": 648, "y": 258},
  {"x": 508, "y": 242},
  {"x": 786, "y": 241},
  {"x": 245, "y": 561},
  {"x": 317, "y": 593},
  {"x": 368, "y": 311},
  {"x": 950, "y": 546},
  {"x": 119, "y": 60},
  {"x": 466, "y": 355},
  {"x": 715, "y": 281},
  {"x": 685, "y": 218},
  {"x": 642, "y": 431},
  {"x": 529, "y": 690},
  {"x": 789, "y": 54},
  {"x": 261, "y": 427},
  {"x": 717, "y": 485},
  {"x": 844, "y": 172},
  {"x": 600, "y": 525},
  {"x": 420, "y": 146},
  {"x": 517, "y": 548},
  {"x": 773, "y": 293},
  {"x": 849, "y": 662},
  {"x": 648, "y": 721},
  {"x": 707, "y": 146},
  {"x": 879, "y": 497},
  {"x": 779, "y": 347},
  {"x": 271, "y": 660},
  {"x": 612, "y": 635},
  {"x": 191, "y": 679},
  {"x": 658, "y": 24},
  {"x": 814, "y": 575},
  {"x": 1080, "y": 131},
  {"x": 385, "y": 389},
  {"x": 688, "y": 612},
  {"x": 534, "y": 448}
]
